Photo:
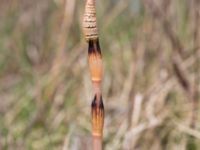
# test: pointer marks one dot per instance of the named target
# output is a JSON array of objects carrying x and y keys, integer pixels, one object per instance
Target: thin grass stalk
[{"x": 96, "y": 70}]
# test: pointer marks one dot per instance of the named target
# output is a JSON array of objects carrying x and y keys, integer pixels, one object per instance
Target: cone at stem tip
[{"x": 90, "y": 29}]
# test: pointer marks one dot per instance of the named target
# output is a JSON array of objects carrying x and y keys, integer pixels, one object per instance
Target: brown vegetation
[{"x": 151, "y": 57}]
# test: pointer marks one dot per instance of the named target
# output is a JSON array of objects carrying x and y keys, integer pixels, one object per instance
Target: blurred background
[{"x": 151, "y": 75}]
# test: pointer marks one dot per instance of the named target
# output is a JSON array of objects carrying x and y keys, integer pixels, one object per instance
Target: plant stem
[
  {"x": 96, "y": 70},
  {"x": 97, "y": 143}
]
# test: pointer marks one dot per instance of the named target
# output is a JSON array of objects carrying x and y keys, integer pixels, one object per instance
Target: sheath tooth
[{"x": 97, "y": 116}]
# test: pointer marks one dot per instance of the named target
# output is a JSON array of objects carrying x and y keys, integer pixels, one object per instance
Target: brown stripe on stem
[{"x": 97, "y": 110}]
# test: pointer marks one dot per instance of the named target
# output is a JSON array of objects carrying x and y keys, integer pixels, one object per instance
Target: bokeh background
[{"x": 151, "y": 75}]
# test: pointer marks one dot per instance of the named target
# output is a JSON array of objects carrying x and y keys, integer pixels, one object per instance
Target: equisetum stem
[{"x": 96, "y": 70}]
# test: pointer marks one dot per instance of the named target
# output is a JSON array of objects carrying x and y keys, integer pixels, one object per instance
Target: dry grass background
[{"x": 151, "y": 80}]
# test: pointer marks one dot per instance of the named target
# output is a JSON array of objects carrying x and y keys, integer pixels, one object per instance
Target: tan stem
[
  {"x": 97, "y": 143},
  {"x": 97, "y": 87}
]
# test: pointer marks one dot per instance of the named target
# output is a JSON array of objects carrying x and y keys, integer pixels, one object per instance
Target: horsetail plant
[{"x": 96, "y": 70}]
